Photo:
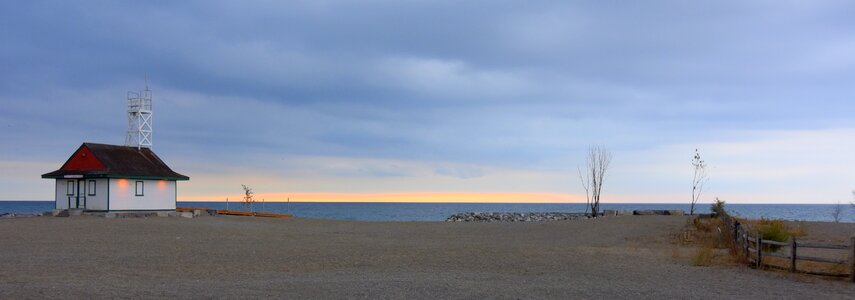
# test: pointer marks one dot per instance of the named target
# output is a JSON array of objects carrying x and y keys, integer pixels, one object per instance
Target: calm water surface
[{"x": 441, "y": 211}]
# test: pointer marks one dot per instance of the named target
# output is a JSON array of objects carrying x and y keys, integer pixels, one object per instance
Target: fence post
[
  {"x": 759, "y": 246},
  {"x": 735, "y": 232},
  {"x": 852, "y": 259},
  {"x": 793, "y": 254}
]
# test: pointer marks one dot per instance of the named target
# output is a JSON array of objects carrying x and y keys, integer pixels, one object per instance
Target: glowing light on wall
[{"x": 122, "y": 184}]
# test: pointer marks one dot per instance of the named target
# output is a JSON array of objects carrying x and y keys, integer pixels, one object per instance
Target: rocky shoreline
[
  {"x": 22, "y": 215},
  {"x": 549, "y": 216},
  {"x": 515, "y": 216}
]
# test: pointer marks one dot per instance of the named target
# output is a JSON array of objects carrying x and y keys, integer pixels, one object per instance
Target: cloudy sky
[{"x": 441, "y": 100}]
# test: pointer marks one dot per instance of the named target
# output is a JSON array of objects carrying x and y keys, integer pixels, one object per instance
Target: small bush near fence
[
  {"x": 767, "y": 243},
  {"x": 774, "y": 230}
]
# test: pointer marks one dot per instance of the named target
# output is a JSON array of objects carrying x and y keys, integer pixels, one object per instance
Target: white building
[{"x": 99, "y": 177}]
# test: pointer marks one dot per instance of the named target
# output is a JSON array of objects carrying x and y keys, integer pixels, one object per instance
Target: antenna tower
[{"x": 139, "y": 118}]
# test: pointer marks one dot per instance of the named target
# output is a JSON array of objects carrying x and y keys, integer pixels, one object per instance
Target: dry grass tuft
[{"x": 703, "y": 255}]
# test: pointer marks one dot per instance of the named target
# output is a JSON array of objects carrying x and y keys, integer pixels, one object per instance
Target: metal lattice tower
[{"x": 139, "y": 119}]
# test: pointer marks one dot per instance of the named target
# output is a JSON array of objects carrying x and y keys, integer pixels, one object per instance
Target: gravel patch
[{"x": 245, "y": 257}]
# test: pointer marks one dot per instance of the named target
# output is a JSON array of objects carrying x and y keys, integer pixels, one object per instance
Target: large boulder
[{"x": 610, "y": 212}]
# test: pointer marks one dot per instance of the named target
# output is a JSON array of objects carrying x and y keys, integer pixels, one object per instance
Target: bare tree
[
  {"x": 699, "y": 179},
  {"x": 596, "y": 165},
  {"x": 586, "y": 184},
  {"x": 835, "y": 212},
  {"x": 248, "y": 197}
]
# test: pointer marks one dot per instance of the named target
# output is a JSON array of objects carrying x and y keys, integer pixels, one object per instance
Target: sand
[{"x": 245, "y": 257}]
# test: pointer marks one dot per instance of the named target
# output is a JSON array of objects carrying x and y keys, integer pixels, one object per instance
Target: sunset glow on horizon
[{"x": 427, "y": 197}]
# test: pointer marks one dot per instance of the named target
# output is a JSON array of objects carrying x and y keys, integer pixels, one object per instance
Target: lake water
[{"x": 441, "y": 211}]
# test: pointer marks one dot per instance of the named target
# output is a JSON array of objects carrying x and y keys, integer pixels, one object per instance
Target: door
[{"x": 80, "y": 198}]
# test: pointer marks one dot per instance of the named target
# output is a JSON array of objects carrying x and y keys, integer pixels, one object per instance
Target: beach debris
[{"x": 515, "y": 216}]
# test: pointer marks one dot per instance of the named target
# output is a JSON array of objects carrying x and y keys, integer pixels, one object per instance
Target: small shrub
[
  {"x": 700, "y": 225},
  {"x": 718, "y": 208},
  {"x": 775, "y": 230}
]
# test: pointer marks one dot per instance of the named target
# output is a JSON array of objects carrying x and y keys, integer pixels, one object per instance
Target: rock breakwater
[{"x": 515, "y": 216}]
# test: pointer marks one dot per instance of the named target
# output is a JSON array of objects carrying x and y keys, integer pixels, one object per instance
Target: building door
[{"x": 80, "y": 201}]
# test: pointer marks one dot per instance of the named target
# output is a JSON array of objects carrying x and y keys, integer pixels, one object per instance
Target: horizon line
[{"x": 447, "y": 202}]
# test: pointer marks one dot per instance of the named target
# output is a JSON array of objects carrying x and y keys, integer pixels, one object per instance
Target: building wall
[
  {"x": 93, "y": 202},
  {"x": 157, "y": 195},
  {"x": 61, "y": 197},
  {"x": 99, "y": 200}
]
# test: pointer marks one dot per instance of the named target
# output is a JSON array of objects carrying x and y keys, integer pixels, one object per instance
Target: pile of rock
[
  {"x": 145, "y": 214},
  {"x": 612, "y": 212},
  {"x": 514, "y": 216},
  {"x": 24, "y": 215},
  {"x": 20, "y": 215},
  {"x": 658, "y": 212}
]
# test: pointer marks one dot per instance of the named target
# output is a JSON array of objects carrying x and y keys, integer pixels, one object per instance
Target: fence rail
[{"x": 753, "y": 248}]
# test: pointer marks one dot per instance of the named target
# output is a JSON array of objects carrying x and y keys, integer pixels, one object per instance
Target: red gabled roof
[
  {"x": 111, "y": 161},
  {"x": 83, "y": 160}
]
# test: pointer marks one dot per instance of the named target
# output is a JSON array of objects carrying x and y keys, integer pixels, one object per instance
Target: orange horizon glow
[{"x": 424, "y": 197}]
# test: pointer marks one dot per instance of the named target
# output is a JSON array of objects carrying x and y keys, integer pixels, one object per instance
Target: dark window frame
[
  {"x": 139, "y": 188},
  {"x": 69, "y": 188},
  {"x": 90, "y": 187}
]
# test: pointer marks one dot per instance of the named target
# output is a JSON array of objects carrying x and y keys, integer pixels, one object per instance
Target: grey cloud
[{"x": 498, "y": 83}]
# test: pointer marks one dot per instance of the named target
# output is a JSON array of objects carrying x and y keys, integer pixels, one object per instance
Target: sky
[{"x": 435, "y": 101}]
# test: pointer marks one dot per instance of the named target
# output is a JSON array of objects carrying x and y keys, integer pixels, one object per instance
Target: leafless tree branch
[
  {"x": 699, "y": 179},
  {"x": 248, "y": 199},
  {"x": 835, "y": 212}
]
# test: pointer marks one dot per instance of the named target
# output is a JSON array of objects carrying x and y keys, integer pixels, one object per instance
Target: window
[
  {"x": 90, "y": 189},
  {"x": 140, "y": 188},
  {"x": 69, "y": 188}
]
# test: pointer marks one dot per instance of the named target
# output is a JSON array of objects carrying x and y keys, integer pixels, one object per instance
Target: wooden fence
[{"x": 753, "y": 248}]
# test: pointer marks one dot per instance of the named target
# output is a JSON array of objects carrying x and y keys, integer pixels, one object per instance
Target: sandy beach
[{"x": 244, "y": 257}]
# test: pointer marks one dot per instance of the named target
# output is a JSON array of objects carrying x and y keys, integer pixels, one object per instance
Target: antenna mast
[{"x": 139, "y": 118}]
